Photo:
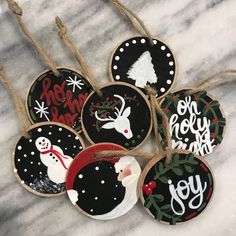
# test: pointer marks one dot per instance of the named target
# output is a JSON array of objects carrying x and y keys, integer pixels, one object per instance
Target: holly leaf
[
  {"x": 176, "y": 158},
  {"x": 163, "y": 179},
  {"x": 148, "y": 204},
  {"x": 159, "y": 216},
  {"x": 160, "y": 167},
  {"x": 166, "y": 207},
  {"x": 188, "y": 168},
  {"x": 158, "y": 197},
  {"x": 177, "y": 170}
]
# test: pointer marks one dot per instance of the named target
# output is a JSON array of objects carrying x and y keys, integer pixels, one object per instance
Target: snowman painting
[{"x": 54, "y": 159}]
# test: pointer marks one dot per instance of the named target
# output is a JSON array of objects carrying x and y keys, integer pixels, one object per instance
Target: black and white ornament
[
  {"x": 121, "y": 116},
  {"x": 103, "y": 189},
  {"x": 42, "y": 161},
  {"x": 139, "y": 63}
]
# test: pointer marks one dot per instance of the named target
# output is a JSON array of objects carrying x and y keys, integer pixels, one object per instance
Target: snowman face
[{"x": 43, "y": 144}]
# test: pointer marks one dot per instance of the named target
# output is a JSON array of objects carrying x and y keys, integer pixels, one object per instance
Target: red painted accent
[
  {"x": 215, "y": 120},
  {"x": 86, "y": 157},
  {"x": 68, "y": 119},
  {"x": 191, "y": 215},
  {"x": 209, "y": 193},
  {"x": 54, "y": 96},
  {"x": 148, "y": 192},
  {"x": 208, "y": 105},
  {"x": 58, "y": 155},
  {"x": 204, "y": 167},
  {"x": 75, "y": 105},
  {"x": 152, "y": 184},
  {"x": 213, "y": 135}
]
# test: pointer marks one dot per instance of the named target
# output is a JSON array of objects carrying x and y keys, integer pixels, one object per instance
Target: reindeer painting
[{"x": 121, "y": 122}]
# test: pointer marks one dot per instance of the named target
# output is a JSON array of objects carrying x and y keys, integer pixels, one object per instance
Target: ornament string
[
  {"x": 134, "y": 19},
  {"x": 76, "y": 52},
  {"x": 209, "y": 84},
  {"x": 20, "y": 108},
  {"x": 17, "y": 11}
]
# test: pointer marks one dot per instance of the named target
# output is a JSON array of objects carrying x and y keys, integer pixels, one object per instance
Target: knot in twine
[
  {"x": 150, "y": 91},
  {"x": 14, "y": 7},
  {"x": 63, "y": 30}
]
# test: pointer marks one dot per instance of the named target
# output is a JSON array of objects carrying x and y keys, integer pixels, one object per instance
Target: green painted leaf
[
  {"x": 177, "y": 170},
  {"x": 176, "y": 158},
  {"x": 160, "y": 167},
  {"x": 158, "y": 197},
  {"x": 163, "y": 179},
  {"x": 159, "y": 215},
  {"x": 189, "y": 168},
  {"x": 166, "y": 207},
  {"x": 147, "y": 204}
]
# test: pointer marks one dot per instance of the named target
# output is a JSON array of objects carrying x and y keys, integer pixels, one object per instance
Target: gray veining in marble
[{"x": 201, "y": 33}]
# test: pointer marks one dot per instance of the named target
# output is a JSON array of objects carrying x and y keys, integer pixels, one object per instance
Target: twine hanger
[
  {"x": 17, "y": 11},
  {"x": 20, "y": 108},
  {"x": 75, "y": 51},
  {"x": 135, "y": 20}
]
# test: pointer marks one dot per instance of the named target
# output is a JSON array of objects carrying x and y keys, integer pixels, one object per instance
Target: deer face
[{"x": 121, "y": 123}]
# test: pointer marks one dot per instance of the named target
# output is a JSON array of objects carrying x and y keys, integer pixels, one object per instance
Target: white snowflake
[
  {"x": 75, "y": 83},
  {"x": 42, "y": 110}
]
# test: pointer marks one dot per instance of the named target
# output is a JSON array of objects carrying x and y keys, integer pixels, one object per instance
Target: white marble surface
[{"x": 201, "y": 33}]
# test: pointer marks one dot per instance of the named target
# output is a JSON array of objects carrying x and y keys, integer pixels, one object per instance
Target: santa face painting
[
  {"x": 104, "y": 189},
  {"x": 42, "y": 161}
]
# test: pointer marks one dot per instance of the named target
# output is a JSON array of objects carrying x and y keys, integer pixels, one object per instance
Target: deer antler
[
  {"x": 119, "y": 112},
  {"x": 103, "y": 119}
]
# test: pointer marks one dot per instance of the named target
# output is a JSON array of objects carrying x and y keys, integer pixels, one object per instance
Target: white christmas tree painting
[{"x": 142, "y": 71}]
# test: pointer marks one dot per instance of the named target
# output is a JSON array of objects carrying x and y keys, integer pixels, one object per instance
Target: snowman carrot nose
[{"x": 43, "y": 144}]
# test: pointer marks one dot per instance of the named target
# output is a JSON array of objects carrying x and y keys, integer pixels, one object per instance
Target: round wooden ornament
[
  {"x": 177, "y": 192},
  {"x": 103, "y": 189},
  {"x": 42, "y": 161},
  {"x": 139, "y": 63},
  {"x": 58, "y": 99},
  {"x": 196, "y": 121},
  {"x": 121, "y": 115}
]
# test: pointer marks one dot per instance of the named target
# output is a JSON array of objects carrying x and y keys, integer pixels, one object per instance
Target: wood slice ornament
[
  {"x": 58, "y": 99},
  {"x": 196, "y": 121},
  {"x": 121, "y": 115},
  {"x": 177, "y": 192},
  {"x": 57, "y": 94},
  {"x": 42, "y": 161},
  {"x": 143, "y": 60},
  {"x": 137, "y": 62},
  {"x": 103, "y": 189}
]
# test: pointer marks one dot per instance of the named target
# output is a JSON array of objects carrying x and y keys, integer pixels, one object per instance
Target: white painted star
[
  {"x": 42, "y": 110},
  {"x": 75, "y": 83}
]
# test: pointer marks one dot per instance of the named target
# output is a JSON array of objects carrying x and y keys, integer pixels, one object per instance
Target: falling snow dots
[
  {"x": 118, "y": 116},
  {"x": 142, "y": 64},
  {"x": 111, "y": 191},
  {"x": 58, "y": 99},
  {"x": 42, "y": 163}
]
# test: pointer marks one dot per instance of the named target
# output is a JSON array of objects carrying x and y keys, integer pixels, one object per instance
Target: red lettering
[
  {"x": 66, "y": 119},
  {"x": 75, "y": 105},
  {"x": 54, "y": 96}
]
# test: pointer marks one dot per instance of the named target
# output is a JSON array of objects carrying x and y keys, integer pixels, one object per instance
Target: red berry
[
  {"x": 152, "y": 184},
  {"x": 213, "y": 135},
  {"x": 196, "y": 98},
  {"x": 208, "y": 105},
  {"x": 174, "y": 97},
  {"x": 148, "y": 191},
  {"x": 215, "y": 120},
  {"x": 145, "y": 187}
]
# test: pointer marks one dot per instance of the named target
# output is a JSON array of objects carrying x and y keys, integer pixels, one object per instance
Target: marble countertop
[{"x": 201, "y": 33}]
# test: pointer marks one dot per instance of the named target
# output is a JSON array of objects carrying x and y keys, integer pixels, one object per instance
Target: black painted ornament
[
  {"x": 42, "y": 161},
  {"x": 121, "y": 116},
  {"x": 139, "y": 63},
  {"x": 103, "y": 189},
  {"x": 177, "y": 192},
  {"x": 196, "y": 121},
  {"x": 58, "y": 99}
]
